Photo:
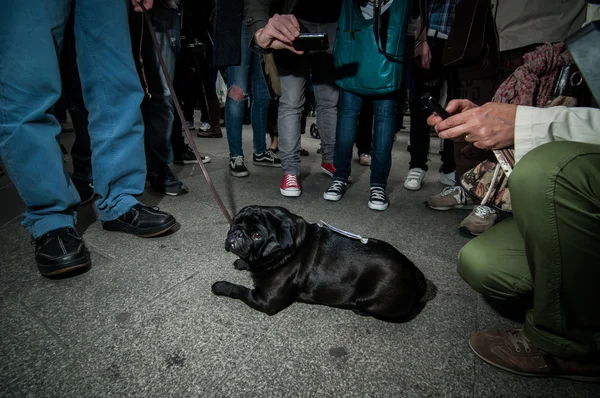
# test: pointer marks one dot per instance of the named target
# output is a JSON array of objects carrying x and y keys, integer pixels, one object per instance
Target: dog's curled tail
[{"x": 421, "y": 284}]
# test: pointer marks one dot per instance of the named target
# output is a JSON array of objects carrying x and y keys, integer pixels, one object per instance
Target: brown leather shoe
[{"x": 510, "y": 350}]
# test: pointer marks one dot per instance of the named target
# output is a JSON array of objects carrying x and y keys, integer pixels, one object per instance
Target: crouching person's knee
[{"x": 488, "y": 276}]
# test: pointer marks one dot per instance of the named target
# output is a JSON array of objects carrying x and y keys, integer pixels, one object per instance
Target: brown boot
[
  {"x": 511, "y": 351},
  {"x": 214, "y": 110}
]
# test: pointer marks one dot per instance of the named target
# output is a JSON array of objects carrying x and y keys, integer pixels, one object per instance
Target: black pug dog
[{"x": 293, "y": 260}]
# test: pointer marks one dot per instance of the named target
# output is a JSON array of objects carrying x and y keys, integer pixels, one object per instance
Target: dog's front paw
[
  {"x": 241, "y": 265},
  {"x": 221, "y": 288}
]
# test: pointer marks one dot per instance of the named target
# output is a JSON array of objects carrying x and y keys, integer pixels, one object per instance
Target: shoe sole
[
  {"x": 329, "y": 173},
  {"x": 591, "y": 379},
  {"x": 333, "y": 198},
  {"x": 415, "y": 188},
  {"x": 457, "y": 207},
  {"x": 74, "y": 266},
  {"x": 262, "y": 164},
  {"x": 373, "y": 206},
  {"x": 466, "y": 233},
  {"x": 292, "y": 194},
  {"x": 147, "y": 233},
  {"x": 209, "y": 136},
  {"x": 238, "y": 174},
  {"x": 182, "y": 192},
  {"x": 205, "y": 160}
]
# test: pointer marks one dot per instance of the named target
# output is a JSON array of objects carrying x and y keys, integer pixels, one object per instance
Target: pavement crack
[{"x": 43, "y": 324}]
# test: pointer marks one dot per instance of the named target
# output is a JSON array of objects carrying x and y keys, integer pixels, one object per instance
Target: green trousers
[{"x": 549, "y": 251}]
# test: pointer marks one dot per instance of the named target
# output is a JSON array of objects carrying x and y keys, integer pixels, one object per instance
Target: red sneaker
[
  {"x": 328, "y": 168},
  {"x": 290, "y": 186}
]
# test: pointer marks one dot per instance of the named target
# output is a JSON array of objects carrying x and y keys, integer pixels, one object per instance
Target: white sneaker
[
  {"x": 364, "y": 159},
  {"x": 414, "y": 179},
  {"x": 204, "y": 126},
  {"x": 335, "y": 191},
  {"x": 448, "y": 179}
]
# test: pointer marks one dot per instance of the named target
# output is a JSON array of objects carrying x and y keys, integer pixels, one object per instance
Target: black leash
[{"x": 188, "y": 134}]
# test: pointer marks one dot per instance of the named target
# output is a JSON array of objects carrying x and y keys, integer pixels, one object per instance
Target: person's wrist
[{"x": 258, "y": 37}]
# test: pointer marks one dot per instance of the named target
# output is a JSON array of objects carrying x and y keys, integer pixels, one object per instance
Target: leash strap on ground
[{"x": 188, "y": 134}]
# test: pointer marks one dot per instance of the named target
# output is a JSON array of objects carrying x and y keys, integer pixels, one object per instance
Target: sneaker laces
[
  {"x": 483, "y": 211},
  {"x": 238, "y": 161},
  {"x": 517, "y": 338},
  {"x": 450, "y": 190},
  {"x": 336, "y": 186},
  {"x": 377, "y": 194},
  {"x": 291, "y": 180}
]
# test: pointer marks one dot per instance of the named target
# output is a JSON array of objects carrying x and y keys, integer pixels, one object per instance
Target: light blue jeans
[
  {"x": 30, "y": 40},
  {"x": 248, "y": 76}
]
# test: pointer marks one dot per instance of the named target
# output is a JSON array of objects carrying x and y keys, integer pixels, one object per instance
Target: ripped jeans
[{"x": 248, "y": 76}]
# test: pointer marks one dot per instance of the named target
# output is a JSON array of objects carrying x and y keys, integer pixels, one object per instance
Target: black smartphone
[
  {"x": 433, "y": 106},
  {"x": 311, "y": 42}
]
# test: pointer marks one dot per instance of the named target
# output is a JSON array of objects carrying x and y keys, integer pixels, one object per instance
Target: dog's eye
[{"x": 256, "y": 236}]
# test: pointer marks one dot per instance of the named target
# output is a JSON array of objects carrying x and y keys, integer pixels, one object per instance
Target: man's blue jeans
[
  {"x": 249, "y": 72},
  {"x": 158, "y": 110},
  {"x": 30, "y": 84},
  {"x": 385, "y": 112}
]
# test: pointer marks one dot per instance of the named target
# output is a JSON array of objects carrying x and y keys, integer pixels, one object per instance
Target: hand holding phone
[
  {"x": 433, "y": 106},
  {"x": 311, "y": 42}
]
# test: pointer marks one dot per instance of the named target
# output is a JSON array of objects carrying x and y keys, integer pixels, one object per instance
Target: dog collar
[{"x": 347, "y": 234}]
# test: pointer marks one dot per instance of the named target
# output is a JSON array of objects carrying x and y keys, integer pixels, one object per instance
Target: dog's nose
[{"x": 238, "y": 234}]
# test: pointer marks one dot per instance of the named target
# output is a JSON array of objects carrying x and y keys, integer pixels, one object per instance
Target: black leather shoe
[
  {"x": 143, "y": 221},
  {"x": 61, "y": 251}
]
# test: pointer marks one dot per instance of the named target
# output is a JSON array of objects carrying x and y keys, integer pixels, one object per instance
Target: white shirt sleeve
[{"x": 537, "y": 126}]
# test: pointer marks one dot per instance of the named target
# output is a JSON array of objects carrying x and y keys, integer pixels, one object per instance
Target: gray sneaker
[
  {"x": 451, "y": 198},
  {"x": 237, "y": 167},
  {"x": 480, "y": 220}
]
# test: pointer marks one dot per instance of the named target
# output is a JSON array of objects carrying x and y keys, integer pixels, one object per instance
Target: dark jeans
[
  {"x": 81, "y": 152},
  {"x": 364, "y": 134},
  {"x": 158, "y": 110},
  {"x": 429, "y": 82},
  {"x": 385, "y": 110}
]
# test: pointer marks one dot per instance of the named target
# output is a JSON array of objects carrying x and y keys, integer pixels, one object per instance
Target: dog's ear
[
  {"x": 286, "y": 234},
  {"x": 284, "y": 238}
]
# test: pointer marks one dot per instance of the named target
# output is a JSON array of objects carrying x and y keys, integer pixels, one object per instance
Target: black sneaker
[
  {"x": 335, "y": 191},
  {"x": 143, "y": 221},
  {"x": 378, "y": 199},
  {"x": 185, "y": 155},
  {"x": 237, "y": 167},
  {"x": 267, "y": 159},
  {"x": 61, "y": 251},
  {"x": 166, "y": 182},
  {"x": 213, "y": 132},
  {"x": 85, "y": 190}
]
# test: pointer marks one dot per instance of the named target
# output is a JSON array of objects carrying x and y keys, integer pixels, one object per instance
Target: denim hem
[
  {"x": 290, "y": 168},
  {"x": 125, "y": 203},
  {"x": 50, "y": 223},
  {"x": 377, "y": 185}
]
